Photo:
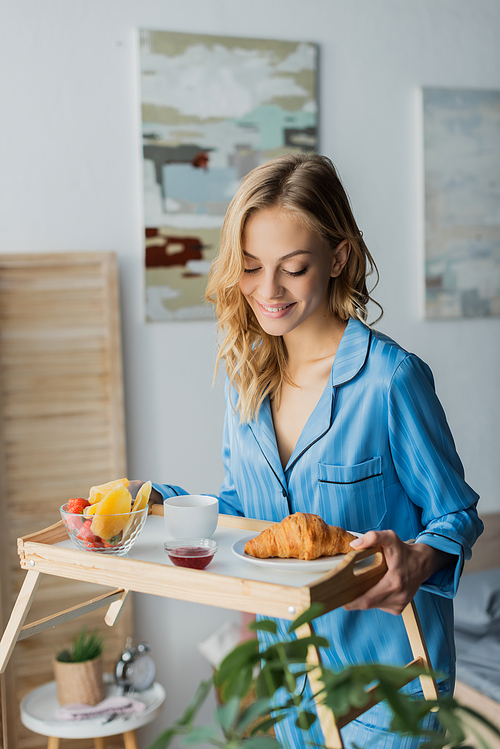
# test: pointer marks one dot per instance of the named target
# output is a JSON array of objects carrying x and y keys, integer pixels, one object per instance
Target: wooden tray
[{"x": 285, "y": 598}]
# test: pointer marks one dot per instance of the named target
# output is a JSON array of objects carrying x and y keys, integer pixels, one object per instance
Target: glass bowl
[
  {"x": 196, "y": 553},
  {"x": 118, "y": 532}
]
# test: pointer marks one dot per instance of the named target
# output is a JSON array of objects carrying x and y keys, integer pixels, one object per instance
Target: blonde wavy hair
[{"x": 306, "y": 185}]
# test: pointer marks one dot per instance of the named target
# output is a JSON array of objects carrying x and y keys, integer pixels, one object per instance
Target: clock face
[{"x": 141, "y": 671}]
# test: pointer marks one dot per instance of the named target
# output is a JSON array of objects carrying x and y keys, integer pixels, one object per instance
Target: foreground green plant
[{"x": 283, "y": 665}]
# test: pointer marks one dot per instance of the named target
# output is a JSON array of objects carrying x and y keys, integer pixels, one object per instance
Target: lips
[{"x": 275, "y": 311}]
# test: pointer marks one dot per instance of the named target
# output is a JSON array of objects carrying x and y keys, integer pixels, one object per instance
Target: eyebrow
[{"x": 285, "y": 257}]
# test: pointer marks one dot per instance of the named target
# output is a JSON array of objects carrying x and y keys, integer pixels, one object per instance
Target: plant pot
[{"x": 79, "y": 682}]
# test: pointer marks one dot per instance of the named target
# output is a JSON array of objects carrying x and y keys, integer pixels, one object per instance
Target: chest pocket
[{"x": 353, "y": 496}]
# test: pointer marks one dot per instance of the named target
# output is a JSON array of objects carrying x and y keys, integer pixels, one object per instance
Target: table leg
[
  {"x": 53, "y": 742},
  {"x": 19, "y": 614},
  {"x": 130, "y": 740},
  {"x": 99, "y": 742},
  {"x": 331, "y": 732}
]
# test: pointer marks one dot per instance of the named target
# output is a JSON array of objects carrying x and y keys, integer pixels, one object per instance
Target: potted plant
[
  {"x": 283, "y": 664},
  {"x": 78, "y": 670}
]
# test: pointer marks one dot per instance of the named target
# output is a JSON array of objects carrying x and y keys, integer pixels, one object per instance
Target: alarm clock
[{"x": 135, "y": 669}]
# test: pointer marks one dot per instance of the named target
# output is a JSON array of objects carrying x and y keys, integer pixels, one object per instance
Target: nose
[{"x": 270, "y": 288}]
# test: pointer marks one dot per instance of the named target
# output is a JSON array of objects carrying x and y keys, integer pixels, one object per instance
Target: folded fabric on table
[{"x": 111, "y": 705}]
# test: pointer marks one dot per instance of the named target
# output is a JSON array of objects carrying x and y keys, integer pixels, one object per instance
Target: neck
[{"x": 305, "y": 347}]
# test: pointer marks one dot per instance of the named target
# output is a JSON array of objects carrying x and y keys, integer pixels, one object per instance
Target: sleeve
[
  {"x": 430, "y": 470},
  {"x": 169, "y": 490},
  {"x": 229, "y": 501}
]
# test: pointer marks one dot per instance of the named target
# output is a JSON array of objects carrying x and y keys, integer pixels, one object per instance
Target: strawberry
[
  {"x": 90, "y": 540},
  {"x": 77, "y": 505},
  {"x": 97, "y": 544},
  {"x": 74, "y": 524}
]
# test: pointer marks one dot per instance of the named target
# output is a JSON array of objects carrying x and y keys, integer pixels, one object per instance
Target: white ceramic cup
[{"x": 191, "y": 515}]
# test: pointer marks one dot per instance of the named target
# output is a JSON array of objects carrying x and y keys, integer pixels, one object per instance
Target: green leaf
[
  {"x": 183, "y": 725},
  {"x": 314, "y": 610},
  {"x": 305, "y": 720},
  {"x": 269, "y": 681},
  {"x": 404, "y": 718},
  {"x": 256, "y": 710},
  {"x": 264, "y": 625},
  {"x": 294, "y": 650},
  {"x": 337, "y": 701},
  {"x": 228, "y": 713},
  {"x": 247, "y": 653},
  {"x": 163, "y": 740},
  {"x": 238, "y": 684},
  {"x": 452, "y": 724},
  {"x": 196, "y": 703},
  {"x": 334, "y": 679},
  {"x": 357, "y": 694},
  {"x": 260, "y": 742},
  {"x": 199, "y": 734},
  {"x": 265, "y": 725}
]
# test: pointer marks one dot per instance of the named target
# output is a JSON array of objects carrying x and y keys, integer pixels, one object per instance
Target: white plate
[{"x": 323, "y": 564}]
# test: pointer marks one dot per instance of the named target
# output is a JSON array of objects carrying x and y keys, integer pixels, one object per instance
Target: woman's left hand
[{"x": 408, "y": 566}]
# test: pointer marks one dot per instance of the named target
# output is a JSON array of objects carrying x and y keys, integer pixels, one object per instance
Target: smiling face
[{"x": 287, "y": 271}]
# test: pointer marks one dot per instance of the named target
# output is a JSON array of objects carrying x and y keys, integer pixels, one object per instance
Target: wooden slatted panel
[{"x": 61, "y": 431}]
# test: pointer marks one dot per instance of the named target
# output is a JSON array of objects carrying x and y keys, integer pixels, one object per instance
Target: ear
[{"x": 340, "y": 257}]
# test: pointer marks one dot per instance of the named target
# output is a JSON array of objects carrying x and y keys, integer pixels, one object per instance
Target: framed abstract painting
[
  {"x": 461, "y": 131},
  {"x": 212, "y": 108}
]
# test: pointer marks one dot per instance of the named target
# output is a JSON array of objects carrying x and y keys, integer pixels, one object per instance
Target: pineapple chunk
[
  {"x": 142, "y": 496},
  {"x": 99, "y": 492},
  {"x": 112, "y": 513}
]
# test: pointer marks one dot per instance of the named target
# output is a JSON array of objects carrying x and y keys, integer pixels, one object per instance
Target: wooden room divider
[{"x": 61, "y": 431}]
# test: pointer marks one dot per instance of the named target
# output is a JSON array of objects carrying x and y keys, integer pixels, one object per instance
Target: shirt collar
[{"x": 352, "y": 352}]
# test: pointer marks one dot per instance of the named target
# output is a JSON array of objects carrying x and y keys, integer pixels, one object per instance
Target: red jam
[{"x": 195, "y": 557}]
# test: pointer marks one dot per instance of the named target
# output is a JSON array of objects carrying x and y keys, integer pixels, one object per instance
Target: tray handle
[{"x": 347, "y": 581}]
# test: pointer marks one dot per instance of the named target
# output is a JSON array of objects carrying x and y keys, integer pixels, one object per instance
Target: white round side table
[{"x": 38, "y": 709}]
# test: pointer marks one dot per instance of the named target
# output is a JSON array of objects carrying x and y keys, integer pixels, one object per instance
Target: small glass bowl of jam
[{"x": 196, "y": 553}]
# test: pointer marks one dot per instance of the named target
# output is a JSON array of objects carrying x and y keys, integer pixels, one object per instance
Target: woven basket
[{"x": 79, "y": 682}]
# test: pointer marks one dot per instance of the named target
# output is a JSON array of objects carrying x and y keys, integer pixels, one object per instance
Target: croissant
[{"x": 301, "y": 536}]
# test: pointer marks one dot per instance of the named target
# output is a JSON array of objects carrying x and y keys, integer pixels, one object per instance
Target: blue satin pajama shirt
[{"x": 376, "y": 453}]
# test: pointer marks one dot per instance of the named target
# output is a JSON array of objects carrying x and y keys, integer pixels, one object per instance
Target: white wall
[{"x": 70, "y": 180}]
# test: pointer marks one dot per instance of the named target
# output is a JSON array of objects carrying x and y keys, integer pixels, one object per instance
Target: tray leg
[
  {"x": 115, "y": 609},
  {"x": 18, "y": 616},
  {"x": 419, "y": 649},
  {"x": 331, "y": 732}
]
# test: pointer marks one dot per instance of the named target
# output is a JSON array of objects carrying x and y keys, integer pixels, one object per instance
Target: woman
[{"x": 326, "y": 415}]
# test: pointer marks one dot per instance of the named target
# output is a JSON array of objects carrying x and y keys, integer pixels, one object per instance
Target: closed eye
[{"x": 293, "y": 274}]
